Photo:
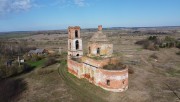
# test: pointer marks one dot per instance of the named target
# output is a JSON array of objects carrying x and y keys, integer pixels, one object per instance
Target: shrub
[
  {"x": 178, "y": 44},
  {"x": 54, "y": 55},
  {"x": 49, "y": 61},
  {"x": 130, "y": 71},
  {"x": 63, "y": 62},
  {"x": 36, "y": 58},
  {"x": 162, "y": 45},
  {"x": 152, "y": 38},
  {"x": 117, "y": 66},
  {"x": 169, "y": 42},
  {"x": 169, "y": 39},
  {"x": 150, "y": 46},
  {"x": 151, "y": 43},
  {"x": 141, "y": 42},
  {"x": 44, "y": 72},
  {"x": 27, "y": 68},
  {"x": 14, "y": 70},
  {"x": 2, "y": 71},
  {"x": 8, "y": 71},
  {"x": 154, "y": 56},
  {"x": 178, "y": 53},
  {"x": 26, "y": 57}
]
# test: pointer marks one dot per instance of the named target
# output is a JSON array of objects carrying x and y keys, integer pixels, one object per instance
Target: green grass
[
  {"x": 174, "y": 72},
  {"x": 139, "y": 49},
  {"x": 63, "y": 62},
  {"x": 82, "y": 87},
  {"x": 37, "y": 63}
]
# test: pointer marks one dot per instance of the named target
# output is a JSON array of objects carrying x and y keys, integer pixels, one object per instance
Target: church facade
[{"x": 99, "y": 66}]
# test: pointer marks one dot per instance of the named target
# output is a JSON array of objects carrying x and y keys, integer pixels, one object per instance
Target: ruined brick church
[{"x": 99, "y": 66}]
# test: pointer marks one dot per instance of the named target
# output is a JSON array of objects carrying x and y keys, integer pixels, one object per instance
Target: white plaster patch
[{"x": 120, "y": 77}]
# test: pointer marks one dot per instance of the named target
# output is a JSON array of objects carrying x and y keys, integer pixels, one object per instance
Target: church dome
[
  {"x": 99, "y": 37},
  {"x": 99, "y": 45}
]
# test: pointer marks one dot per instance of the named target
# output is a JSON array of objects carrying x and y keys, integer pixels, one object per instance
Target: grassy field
[
  {"x": 8, "y": 36},
  {"x": 37, "y": 63},
  {"x": 81, "y": 88},
  {"x": 152, "y": 81}
]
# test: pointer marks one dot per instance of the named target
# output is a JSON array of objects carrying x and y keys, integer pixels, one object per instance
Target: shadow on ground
[{"x": 10, "y": 89}]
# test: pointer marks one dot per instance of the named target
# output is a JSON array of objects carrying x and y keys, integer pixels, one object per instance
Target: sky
[{"x": 33, "y": 15}]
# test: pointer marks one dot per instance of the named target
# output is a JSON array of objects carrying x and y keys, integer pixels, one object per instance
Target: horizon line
[{"x": 87, "y": 28}]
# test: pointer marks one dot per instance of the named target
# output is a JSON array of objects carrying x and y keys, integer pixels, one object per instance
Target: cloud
[
  {"x": 80, "y": 3},
  {"x": 67, "y": 3},
  {"x": 9, "y": 6},
  {"x": 61, "y": 3}
]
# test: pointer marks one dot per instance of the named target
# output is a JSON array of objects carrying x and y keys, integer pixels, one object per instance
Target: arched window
[
  {"x": 98, "y": 50},
  {"x": 69, "y": 34},
  {"x": 89, "y": 50},
  {"x": 108, "y": 82},
  {"x": 123, "y": 81},
  {"x": 77, "y": 44},
  {"x": 70, "y": 46},
  {"x": 76, "y": 33}
]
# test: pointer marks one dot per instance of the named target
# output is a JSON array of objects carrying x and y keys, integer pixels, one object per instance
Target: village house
[
  {"x": 37, "y": 52},
  {"x": 99, "y": 66}
]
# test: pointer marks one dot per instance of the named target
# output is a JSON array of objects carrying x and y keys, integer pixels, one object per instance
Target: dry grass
[
  {"x": 148, "y": 83},
  {"x": 118, "y": 66}
]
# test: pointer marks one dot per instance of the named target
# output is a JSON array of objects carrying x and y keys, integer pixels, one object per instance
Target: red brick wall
[
  {"x": 100, "y": 28},
  {"x": 71, "y": 32},
  {"x": 99, "y": 63},
  {"x": 105, "y": 49},
  {"x": 74, "y": 67},
  {"x": 118, "y": 79}
]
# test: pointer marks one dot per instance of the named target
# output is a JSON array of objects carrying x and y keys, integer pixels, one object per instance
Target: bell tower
[{"x": 74, "y": 42}]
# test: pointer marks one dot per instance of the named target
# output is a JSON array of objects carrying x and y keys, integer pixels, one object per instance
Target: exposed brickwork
[
  {"x": 99, "y": 63},
  {"x": 75, "y": 67},
  {"x": 91, "y": 68},
  {"x": 74, "y": 42},
  {"x": 100, "y": 28},
  {"x": 105, "y": 50},
  {"x": 72, "y": 71},
  {"x": 71, "y": 32},
  {"x": 118, "y": 79}
]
